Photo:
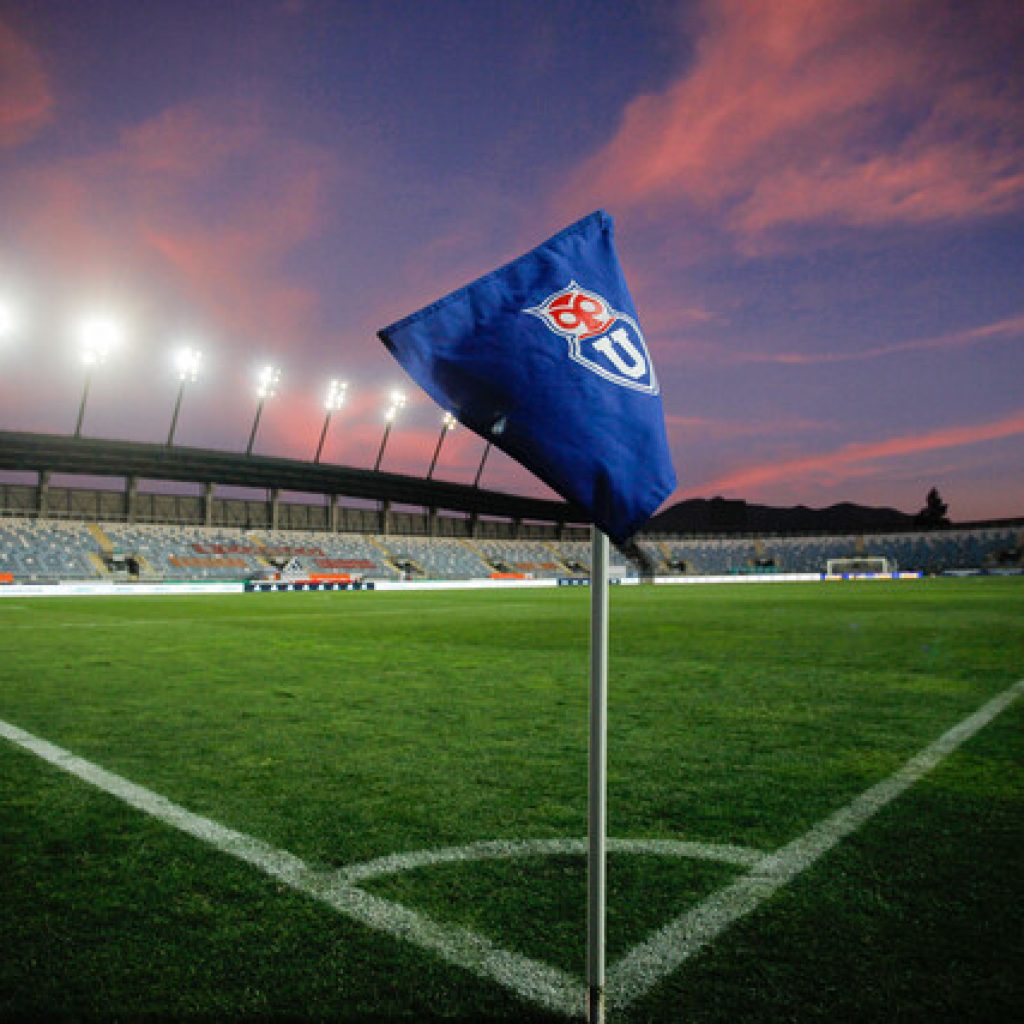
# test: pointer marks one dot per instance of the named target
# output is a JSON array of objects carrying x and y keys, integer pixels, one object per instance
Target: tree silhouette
[{"x": 933, "y": 515}]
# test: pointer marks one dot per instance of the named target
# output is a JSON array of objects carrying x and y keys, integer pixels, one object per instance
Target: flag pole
[{"x": 597, "y": 804}]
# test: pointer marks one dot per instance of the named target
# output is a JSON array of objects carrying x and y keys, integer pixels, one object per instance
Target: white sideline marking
[
  {"x": 631, "y": 977},
  {"x": 277, "y": 863},
  {"x": 534, "y": 981},
  {"x": 665, "y": 951},
  {"x": 95, "y": 589}
]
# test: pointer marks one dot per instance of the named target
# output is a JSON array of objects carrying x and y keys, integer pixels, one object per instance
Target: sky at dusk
[{"x": 819, "y": 207}]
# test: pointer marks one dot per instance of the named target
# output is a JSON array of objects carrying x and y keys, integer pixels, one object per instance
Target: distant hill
[{"x": 722, "y": 515}]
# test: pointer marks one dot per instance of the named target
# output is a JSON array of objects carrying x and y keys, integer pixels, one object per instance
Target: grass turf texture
[{"x": 344, "y": 727}]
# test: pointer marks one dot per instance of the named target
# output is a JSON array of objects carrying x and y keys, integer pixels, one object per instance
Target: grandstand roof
[{"x": 92, "y": 457}]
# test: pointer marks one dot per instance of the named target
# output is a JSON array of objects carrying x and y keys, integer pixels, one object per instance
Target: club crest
[{"x": 602, "y": 339}]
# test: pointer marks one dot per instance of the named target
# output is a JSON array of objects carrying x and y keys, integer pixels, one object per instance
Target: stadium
[
  {"x": 76, "y": 535},
  {"x": 572, "y": 645},
  {"x": 454, "y": 868}
]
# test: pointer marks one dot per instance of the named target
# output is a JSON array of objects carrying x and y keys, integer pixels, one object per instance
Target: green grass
[{"x": 344, "y": 727}]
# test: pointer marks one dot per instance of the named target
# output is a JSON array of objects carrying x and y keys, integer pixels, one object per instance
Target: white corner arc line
[
  {"x": 534, "y": 981},
  {"x": 510, "y": 849},
  {"x": 632, "y": 976},
  {"x": 666, "y": 950}
]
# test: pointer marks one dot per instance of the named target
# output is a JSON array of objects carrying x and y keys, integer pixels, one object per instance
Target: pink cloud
[
  {"x": 26, "y": 100},
  {"x": 232, "y": 270},
  {"x": 186, "y": 143},
  {"x": 824, "y": 111},
  {"x": 856, "y": 460},
  {"x": 709, "y": 427},
  {"x": 665, "y": 316},
  {"x": 175, "y": 199},
  {"x": 1000, "y": 330}
]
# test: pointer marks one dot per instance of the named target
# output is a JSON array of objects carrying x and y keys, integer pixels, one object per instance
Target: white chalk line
[
  {"x": 509, "y": 849},
  {"x": 632, "y": 976},
  {"x": 667, "y": 949},
  {"x": 534, "y": 981}
]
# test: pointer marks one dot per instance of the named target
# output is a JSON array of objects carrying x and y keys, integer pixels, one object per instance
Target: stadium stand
[
  {"x": 925, "y": 552},
  {"x": 318, "y": 552},
  {"x": 177, "y": 552},
  {"x": 436, "y": 557},
  {"x": 45, "y": 550},
  {"x": 806, "y": 554},
  {"x": 656, "y": 555},
  {"x": 533, "y": 558},
  {"x": 48, "y": 550},
  {"x": 576, "y": 558},
  {"x": 195, "y": 552},
  {"x": 715, "y": 557}
]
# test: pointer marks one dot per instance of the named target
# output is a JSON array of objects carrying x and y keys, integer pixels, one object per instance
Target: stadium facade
[{"x": 315, "y": 519}]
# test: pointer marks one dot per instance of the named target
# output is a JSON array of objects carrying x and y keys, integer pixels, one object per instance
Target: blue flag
[{"x": 545, "y": 358}]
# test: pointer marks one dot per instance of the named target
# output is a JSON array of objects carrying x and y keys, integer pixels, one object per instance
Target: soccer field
[{"x": 369, "y": 806}]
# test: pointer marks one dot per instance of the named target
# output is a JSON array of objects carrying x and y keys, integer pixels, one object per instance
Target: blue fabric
[{"x": 545, "y": 358}]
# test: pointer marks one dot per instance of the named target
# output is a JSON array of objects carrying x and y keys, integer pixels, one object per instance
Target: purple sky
[{"x": 819, "y": 207}]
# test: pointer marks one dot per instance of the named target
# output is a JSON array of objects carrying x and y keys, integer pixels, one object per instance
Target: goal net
[{"x": 860, "y": 566}]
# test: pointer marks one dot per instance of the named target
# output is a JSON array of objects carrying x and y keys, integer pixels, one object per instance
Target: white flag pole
[{"x": 597, "y": 804}]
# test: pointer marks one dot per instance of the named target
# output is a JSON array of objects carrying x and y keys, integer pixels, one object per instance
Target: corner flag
[{"x": 545, "y": 359}]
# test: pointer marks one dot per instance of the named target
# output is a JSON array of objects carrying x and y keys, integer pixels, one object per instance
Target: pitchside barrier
[
  {"x": 73, "y": 589},
  {"x": 278, "y": 586},
  {"x": 872, "y": 575},
  {"x": 89, "y": 589},
  {"x": 1006, "y": 571}
]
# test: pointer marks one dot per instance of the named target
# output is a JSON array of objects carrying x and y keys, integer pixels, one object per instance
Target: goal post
[{"x": 860, "y": 565}]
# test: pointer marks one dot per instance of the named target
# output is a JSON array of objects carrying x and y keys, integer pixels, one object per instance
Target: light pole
[
  {"x": 334, "y": 401},
  {"x": 97, "y": 336},
  {"x": 397, "y": 400},
  {"x": 269, "y": 378},
  {"x": 447, "y": 426},
  {"x": 188, "y": 361},
  {"x": 480, "y": 468}
]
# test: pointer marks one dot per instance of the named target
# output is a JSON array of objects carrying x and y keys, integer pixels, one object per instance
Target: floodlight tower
[
  {"x": 335, "y": 399},
  {"x": 97, "y": 336},
  {"x": 397, "y": 400},
  {"x": 269, "y": 378},
  {"x": 447, "y": 426},
  {"x": 480, "y": 468},
  {"x": 187, "y": 361}
]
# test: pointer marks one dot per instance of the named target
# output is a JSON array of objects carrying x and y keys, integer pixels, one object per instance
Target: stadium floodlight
[
  {"x": 336, "y": 391},
  {"x": 335, "y": 399},
  {"x": 187, "y": 362},
  {"x": 97, "y": 337},
  {"x": 480, "y": 468},
  {"x": 266, "y": 387},
  {"x": 269, "y": 378},
  {"x": 448, "y": 424},
  {"x": 8, "y": 321},
  {"x": 397, "y": 401}
]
